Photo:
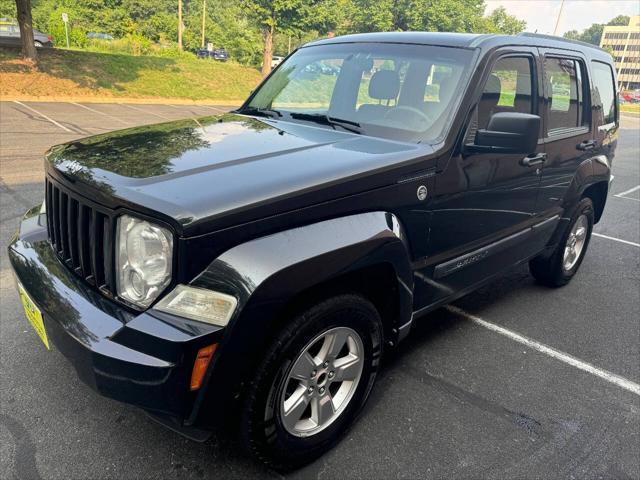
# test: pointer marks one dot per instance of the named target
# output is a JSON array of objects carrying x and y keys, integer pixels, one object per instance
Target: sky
[{"x": 541, "y": 15}]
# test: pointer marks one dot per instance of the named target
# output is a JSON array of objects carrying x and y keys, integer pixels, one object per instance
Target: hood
[{"x": 209, "y": 169}]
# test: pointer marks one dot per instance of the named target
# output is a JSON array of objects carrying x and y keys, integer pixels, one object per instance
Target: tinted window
[
  {"x": 508, "y": 89},
  {"x": 604, "y": 91},
  {"x": 563, "y": 78}
]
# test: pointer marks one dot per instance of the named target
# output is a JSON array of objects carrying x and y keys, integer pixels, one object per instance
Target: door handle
[
  {"x": 533, "y": 160},
  {"x": 586, "y": 145}
]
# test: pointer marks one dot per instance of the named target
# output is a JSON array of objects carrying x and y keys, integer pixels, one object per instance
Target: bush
[{"x": 136, "y": 45}]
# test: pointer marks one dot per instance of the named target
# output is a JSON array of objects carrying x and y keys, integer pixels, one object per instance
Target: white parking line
[
  {"x": 628, "y": 198},
  {"x": 44, "y": 116},
  {"x": 213, "y": 108},
  {"x": 627, "y": 192},
  {"x": 552, "y": 352},
  {"x": 101, "y": 113},
  {"x": 145, "y": 111},
  {"x": 626, "y": 242}
]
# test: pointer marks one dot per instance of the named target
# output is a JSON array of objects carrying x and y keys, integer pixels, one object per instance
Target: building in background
[{"x": 624, "y": 42}]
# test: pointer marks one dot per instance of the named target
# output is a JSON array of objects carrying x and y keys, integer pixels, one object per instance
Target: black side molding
[{"x": 458, "y": 263}]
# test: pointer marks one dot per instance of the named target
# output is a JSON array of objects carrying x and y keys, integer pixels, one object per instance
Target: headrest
[
  {"x": 384, "y": 85},
  {"x": 446, "y": 84},
  {"x": 493, "y": 86}
]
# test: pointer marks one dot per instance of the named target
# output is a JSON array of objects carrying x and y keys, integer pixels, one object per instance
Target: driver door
[{"x": 482, "y": 200}]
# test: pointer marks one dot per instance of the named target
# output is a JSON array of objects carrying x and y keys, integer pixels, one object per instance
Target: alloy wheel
[
  {"x": 575, "y": 243},
  {"x": 321, "y": 381}
]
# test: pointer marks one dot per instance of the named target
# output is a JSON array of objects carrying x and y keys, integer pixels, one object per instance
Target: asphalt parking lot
[{"x": 513, "y": 381}]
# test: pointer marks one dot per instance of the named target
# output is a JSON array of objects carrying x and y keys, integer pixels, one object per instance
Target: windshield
[{"x": 398, "y": 91}]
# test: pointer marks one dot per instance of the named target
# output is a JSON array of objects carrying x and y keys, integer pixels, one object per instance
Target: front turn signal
[{"x": 201, "y": 364}]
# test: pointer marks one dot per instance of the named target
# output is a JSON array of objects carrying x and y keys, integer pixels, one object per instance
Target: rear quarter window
[{"x": 604, "y": 91}]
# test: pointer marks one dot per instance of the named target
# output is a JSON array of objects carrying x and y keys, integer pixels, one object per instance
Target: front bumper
[{"x": 142, "y": 359}]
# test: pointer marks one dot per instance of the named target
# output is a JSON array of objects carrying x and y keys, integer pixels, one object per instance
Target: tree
[
  {"x": 7, "y": 9},
  {"x": 620, "y": 20},
  {"x": 23, "y": 10},
  {"x": 593, "y": 34},
  {"x": 429, "y": 15},
  {"x": 288, "y": 15},
  {"x": 499, "y": 21}
]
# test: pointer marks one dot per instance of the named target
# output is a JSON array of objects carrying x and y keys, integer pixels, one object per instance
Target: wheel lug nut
[
  {"x": 321, "y": 390},
  {"x": 313, "y": 373},
  {"x": 310, "y": 390},
  {"x": 325, "y": 364},
  {"x": 331, "y": 374}
]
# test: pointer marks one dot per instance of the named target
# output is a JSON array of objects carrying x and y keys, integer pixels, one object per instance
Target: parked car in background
[
  {"x": 629, "y": 97},
  {"x": 275, "y": 61},
  {"x": 10, "y": 35},
  {"x": 218, "y": 54},
  {"x": 252, "y": 269},
  {"x": 322, "y": 68},
  {"x": 99, "y": 36}
]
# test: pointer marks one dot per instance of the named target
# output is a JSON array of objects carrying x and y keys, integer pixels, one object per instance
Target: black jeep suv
[{"x": 254, "y": 266}]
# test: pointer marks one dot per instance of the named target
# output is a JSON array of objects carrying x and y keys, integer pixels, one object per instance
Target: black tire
[
  {"x": 550, "y": 270},
  {"x": 262, "y": 428}
]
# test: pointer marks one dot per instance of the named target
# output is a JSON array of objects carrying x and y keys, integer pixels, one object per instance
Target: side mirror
[{"x": 508, "y": 133}]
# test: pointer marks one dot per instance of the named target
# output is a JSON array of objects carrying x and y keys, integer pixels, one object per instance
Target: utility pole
[
  {"x": 180, "y": 24},
  {"x": 204, "y": 10},
  {"x": 555, "y": 29}
]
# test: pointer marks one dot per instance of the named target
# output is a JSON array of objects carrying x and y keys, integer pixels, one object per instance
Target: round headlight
[{"x": 144, "y": 260}]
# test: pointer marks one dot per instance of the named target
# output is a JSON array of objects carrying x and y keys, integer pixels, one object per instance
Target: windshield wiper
[
  {"x": 323, "y": 119},
  {"x": 261, "y": 112}
]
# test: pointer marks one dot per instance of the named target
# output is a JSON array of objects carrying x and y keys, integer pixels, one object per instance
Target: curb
[{"x": 116, "y": 100}]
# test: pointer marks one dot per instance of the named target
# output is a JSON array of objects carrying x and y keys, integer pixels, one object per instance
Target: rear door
[{"x": 569, "y": 135}]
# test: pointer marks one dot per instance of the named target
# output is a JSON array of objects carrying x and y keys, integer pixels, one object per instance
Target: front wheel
[
  {"x": 313, "y": 381},
  {"x": 558, "y": 269}
]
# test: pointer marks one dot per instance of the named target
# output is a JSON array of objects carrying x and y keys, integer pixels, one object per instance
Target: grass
[
  {"x": 630, "y": 107},
  {"x": 69, "y": 73}
]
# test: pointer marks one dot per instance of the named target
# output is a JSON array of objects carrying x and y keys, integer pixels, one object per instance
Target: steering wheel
[{"x": 425, "y": 118}]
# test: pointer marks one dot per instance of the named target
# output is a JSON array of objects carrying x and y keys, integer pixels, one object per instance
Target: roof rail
[{"x": 560, "y": 39}]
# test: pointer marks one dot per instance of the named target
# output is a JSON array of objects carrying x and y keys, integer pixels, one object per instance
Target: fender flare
[
  {"x": 594, "y": 170},
  {"x": 267, "y": 273}
]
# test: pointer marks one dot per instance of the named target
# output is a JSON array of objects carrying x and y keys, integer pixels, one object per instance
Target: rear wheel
[
  {"x": 559, "y": 268},
  {"x": 314, "y": 380},
  {"x": 37, "y": 44}
]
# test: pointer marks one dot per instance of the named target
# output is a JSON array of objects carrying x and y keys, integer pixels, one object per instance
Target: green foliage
[
  {"x": 593, "y": 34},
  {"x": 620, "y": 20},
  {"x": 429, "y": 15},
  {"x": 499, "y": 21},
  {"x": 8, "y": 9},
  {"x": 150, "y": 27}
]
